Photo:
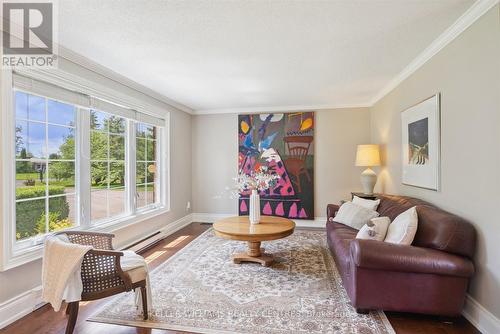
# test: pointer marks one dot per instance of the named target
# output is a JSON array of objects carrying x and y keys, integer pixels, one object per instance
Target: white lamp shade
[{"x": 368, "y": 155}]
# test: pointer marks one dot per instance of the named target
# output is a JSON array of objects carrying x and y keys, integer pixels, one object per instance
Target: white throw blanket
[
  {"x": 61, "y": 272},
  {"x": 62, "y": 262}
]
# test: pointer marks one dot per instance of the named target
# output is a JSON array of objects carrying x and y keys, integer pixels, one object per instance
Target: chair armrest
[
  {"x": 331, "y": 210},
  {"x": 97, "y": 240},
  {"x": 371, "y": 254},
  {"x": 101, "y": 270}
]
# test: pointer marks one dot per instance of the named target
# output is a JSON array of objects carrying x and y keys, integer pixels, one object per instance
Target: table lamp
[{"x": 368, "y": 156}]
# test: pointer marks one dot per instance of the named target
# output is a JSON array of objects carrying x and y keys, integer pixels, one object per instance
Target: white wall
[
  {"x": 23, "y": 278},
  {"x": 467, "y": 73},
  {"x": 215, "y": 158}
]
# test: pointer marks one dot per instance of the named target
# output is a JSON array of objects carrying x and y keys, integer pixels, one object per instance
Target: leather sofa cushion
[
  {"x": 437, "y": 229},
  {"x": 372, "y": 254}
]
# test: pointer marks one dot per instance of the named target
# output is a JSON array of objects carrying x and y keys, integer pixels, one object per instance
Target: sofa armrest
[
  {"x": 379, "y": 255},
  {"x": 331, "y": 210}
]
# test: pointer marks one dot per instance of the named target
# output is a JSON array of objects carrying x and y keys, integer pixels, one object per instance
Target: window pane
[
  {"x": 21, "y": 139},
  {"x": 28, "y": 177},
  {"x": 21, "y": 102},
  {"x": 150, "y": 131},
  {"x": 146, "y": 168},
  {"x": 99, "y": 204},
  {"x": 116, "y": 174},
  {"x": 150, "y": 193},
  {"x": 31, "y": 191},
  {"x": 116, "y": 198},
  {"x": 141, "y": 196},
  {"x": 99, "y": 175},
  {"x": 61, "y": 142},
  {"x": 62, "y": 174},
  {"x": 30, "y": 140},
  {"x": 62, "y": 212},
  {"x": 151, "y": 172},
  {"x": 150, "y": 150},
  {"x": 116, "y": 124},
  {"x": 30, "y": 218},
  {"x": 36, "y": 108},
  {"x": 36, "y": 140},
  {"x": 61, "y": 113},
  {"x": 98, "y": 146},
  {"x": 117, "y": 147},
  {"x": 141, "y": 149},
  {"x": 140, "y": 130},
  {"x": 98, "y": 120},
  {"x": 140, "y": 173}
]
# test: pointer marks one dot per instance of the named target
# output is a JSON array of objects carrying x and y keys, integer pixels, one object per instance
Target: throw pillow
[
  {"x": 367, "y": 203},
  {"x": 403, "y": 229},
  {"x": 375, "y": 229},
  {"x": 354, "y": 215}
]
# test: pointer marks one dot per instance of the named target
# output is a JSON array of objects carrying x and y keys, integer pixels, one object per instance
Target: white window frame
[{"x": 13, "y": 256}]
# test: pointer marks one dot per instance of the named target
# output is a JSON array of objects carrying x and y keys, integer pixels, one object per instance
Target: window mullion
[
  {"x": 83, "y": 165},
  {"x": 130, "y": 167}
]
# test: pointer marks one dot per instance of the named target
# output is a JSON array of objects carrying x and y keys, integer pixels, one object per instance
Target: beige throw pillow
[
  {"x": 367, "y": 203},
  {"x": 354, "y": 215},
  {"x": 403, "y": 229},
  {"x": 375, "y": 229}
]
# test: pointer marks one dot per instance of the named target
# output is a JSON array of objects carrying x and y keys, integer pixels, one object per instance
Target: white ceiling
[{"x": 262, "y": 55}]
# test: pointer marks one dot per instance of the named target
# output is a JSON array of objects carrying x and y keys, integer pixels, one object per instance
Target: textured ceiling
[{"x": 212, "y": 55}]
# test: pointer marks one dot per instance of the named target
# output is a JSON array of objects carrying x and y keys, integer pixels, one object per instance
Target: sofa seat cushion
[{"x": 370, "y": 254}]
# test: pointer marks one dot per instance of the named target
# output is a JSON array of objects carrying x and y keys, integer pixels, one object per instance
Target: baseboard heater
[{"x": 146, "y": 243}]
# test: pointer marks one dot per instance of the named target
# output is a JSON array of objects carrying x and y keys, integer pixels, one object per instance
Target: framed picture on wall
[{"x": 421, "y": 132}]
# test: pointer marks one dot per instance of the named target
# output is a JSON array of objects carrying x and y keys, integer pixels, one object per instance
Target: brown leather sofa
[{"x": 430, "y": 276}]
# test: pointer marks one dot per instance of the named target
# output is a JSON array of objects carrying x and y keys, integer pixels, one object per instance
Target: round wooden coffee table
[{"x": 239, "y": 228}]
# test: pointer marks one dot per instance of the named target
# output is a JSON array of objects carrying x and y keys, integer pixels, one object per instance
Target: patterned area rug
[{"x": 200, "y": 290}]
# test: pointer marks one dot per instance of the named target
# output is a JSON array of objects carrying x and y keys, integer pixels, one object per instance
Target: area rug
[{"x": 200, "y": 290}]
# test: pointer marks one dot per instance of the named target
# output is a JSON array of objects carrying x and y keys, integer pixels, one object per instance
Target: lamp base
[{"x": 368, "y": 180}]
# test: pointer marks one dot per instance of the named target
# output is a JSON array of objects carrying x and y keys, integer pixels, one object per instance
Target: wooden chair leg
[
  {"x": 73, "y": 315},
  {"x": 144, "y": 303}
]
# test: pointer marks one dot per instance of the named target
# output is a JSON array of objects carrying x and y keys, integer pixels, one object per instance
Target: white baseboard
[
  {"x": 480, "y": 317},
  {"x": 165, "y": 231},
  {"x": 318, "y": 222},
  {"x": 177, "y": 225},
  {"x": 19, "y": 306}
]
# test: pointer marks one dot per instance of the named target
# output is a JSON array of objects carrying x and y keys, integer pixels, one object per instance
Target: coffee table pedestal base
[{"x": 254, "y": 254}]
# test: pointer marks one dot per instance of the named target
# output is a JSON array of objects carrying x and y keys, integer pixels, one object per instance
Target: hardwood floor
[{"x": 45, "y": 320}]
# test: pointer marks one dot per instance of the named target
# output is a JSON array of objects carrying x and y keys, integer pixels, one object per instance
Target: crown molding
[
  {"x": 259, "y": 110},
  {"x": 478, "y": 9}
]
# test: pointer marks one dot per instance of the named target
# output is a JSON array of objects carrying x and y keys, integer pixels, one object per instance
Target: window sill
[{"x": 35, "y": 252}]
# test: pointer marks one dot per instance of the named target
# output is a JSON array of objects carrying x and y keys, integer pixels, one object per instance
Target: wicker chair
[{"x": 102, "y": 275}]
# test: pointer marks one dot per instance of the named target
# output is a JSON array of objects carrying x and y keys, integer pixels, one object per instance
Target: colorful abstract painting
[{"x": 285, "y": 144}]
